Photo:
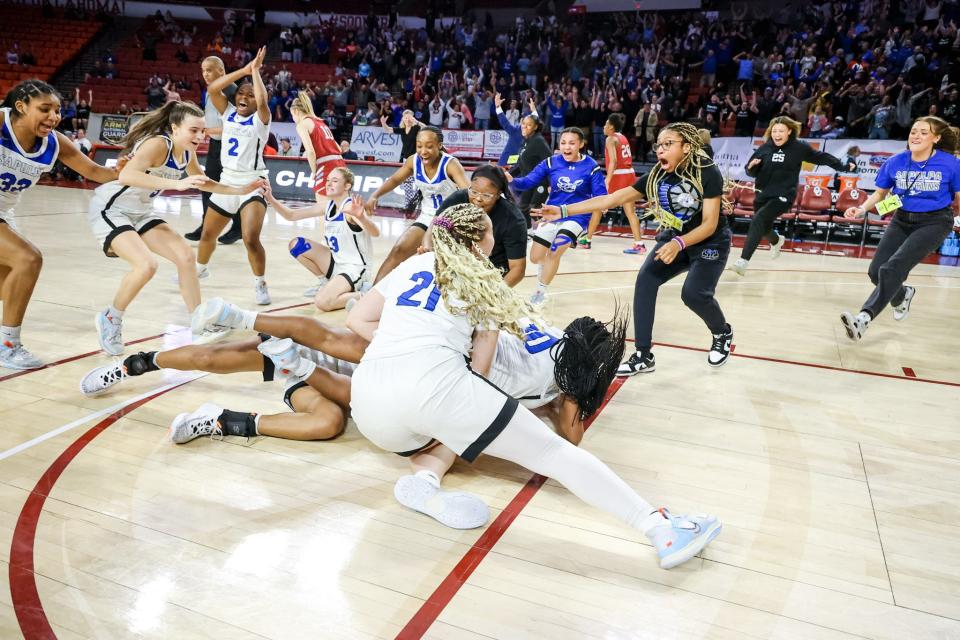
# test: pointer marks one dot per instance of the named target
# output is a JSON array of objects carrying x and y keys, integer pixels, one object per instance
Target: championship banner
[
  {"x": 873, "y": 153},
  {"x": 463, "y": 144},
  {"x": 494, "y": 140},
  {"x": 376, "y": 143}
]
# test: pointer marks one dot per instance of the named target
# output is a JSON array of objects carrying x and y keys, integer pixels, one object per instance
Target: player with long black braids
[
  {"x": 685, "y": 192},
  {"x": 776, "y": 165}
]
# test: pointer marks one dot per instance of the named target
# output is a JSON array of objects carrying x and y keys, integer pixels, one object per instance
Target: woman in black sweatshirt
[{"x": 776, "y": 166}]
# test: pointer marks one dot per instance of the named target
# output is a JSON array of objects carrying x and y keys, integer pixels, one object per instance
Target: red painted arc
[
  {"x": 443, "y": 594},
  {"x": 23, "y": 582}
]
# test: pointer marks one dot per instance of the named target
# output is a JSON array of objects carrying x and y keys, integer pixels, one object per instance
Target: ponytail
[
  {"x": 303, "y": 104},
  {"x": 158, "y": 122}
]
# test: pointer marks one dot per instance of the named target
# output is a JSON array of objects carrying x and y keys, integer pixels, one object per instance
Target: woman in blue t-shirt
[{"x": 926, "y": 179}]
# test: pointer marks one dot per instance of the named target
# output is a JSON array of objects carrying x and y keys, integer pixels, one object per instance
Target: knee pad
[{"x": 301, "y": 246}]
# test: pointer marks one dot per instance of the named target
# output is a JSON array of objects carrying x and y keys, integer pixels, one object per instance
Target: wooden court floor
[{"x": 835, "y": 467}]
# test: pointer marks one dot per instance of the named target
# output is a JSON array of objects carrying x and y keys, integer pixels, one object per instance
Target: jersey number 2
[
  {"x": 536, "y": 341},
  {"x": 234, "y": 143},
  {"x": 423, "y": 279}
]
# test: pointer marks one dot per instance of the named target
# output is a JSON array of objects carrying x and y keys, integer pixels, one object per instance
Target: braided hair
[
  {"x": 467, "y": 276},
  {"x": 25, "y": 91},
  {"x": 690, "y": 169},
  {"x": 587, "y": 357}
]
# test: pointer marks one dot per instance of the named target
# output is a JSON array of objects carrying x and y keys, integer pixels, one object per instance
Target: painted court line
[
  {"x": 12, "y": 451},
  {"x": 434, "y": 605},
  {"x": 23, "y": 581}
]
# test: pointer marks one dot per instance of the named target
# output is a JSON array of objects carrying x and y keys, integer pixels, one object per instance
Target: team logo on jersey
[
  {"x": 681, "y": 199},
  {"x": 710, "y": 254},
  {"x": 779, "y": 156},
  {"x": 567, "y": 185}
]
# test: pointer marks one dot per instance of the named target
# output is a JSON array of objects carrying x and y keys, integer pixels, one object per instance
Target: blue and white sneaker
[
  {"x": 16, "y": 356},
  {"x": 216, "y": 313},
  {"x": 538, "y": 298},
  {"x": 108, "y": 332},
  {"x": 285, "y": 355},
  {"x": 682, "y": 537}
]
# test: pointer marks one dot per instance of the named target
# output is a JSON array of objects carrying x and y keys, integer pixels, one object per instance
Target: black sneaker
[
  {"x": 636, "y": 364},
  {"x": 232, "y": 235},
  {"x": 720, "y": 348},
  {"x": 194, "y": 236}
]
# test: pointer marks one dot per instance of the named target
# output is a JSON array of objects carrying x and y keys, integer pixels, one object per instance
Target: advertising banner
[
  {"x": 873, "y": 153},
  {"x": 494, "y": 140},
  {"x": 113, "y": 128},
  {"x": 377, "y": 143},
  {"x": 731, "y": 155},
  {"x": 463, "y": 144}
]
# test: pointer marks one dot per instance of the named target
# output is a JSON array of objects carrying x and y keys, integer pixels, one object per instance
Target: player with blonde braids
[
  {"x": 420, "y": 384},
  {"x": 460, "y": 274},
  {"x": 686, "y": 191}
]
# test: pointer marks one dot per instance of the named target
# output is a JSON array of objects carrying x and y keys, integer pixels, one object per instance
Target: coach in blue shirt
[
  {"x": 513, "y": 131},
  {"x": 926, "y": 180}
]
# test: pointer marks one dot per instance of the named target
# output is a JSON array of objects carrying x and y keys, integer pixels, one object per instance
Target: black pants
[
  {"x": 765, "y": 215},
  {"x": 704, "y": 261},
  {"x": 213, "y": 169},
  {"x": 910, "y": 238}
]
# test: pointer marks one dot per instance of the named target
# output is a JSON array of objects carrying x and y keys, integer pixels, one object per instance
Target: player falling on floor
[
  {"x": 620, "y": 174},
  {"x": 436, "y": 174},
  {"x": 411, "y": 389},
  {"x": 246, "y": 128},
  {"x": 573, "y": 178},
  {"x": 342, "y": 261},
  {"x": 30, "y": 145},
  {"x": 162, "y": 146}
]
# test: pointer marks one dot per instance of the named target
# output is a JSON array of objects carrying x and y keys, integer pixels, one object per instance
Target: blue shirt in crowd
[{"x": 922, "y": 186}]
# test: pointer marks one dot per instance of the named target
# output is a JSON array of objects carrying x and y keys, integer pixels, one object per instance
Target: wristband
[
  {"x": 679, "y": 241},
  {"x": 563, "y": 211}
]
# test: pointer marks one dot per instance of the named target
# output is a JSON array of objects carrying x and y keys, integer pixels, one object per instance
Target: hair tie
[{"x": 443, "y": 222}]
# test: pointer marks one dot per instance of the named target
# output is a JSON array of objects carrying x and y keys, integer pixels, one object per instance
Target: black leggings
[
  {"x": 212, "y": 168},
  {"x": 704, "y": 261},
  {"x": 766, "y": 214},
  {"x": 910, "y": 238}
]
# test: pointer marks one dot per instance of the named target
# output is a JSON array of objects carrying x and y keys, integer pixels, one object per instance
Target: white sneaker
[
  {"x": 108, "y": 332},
  {"x": 455, "y": 509},
  {"x": 902, "y": 310},
  {"x": 102, "y": 378},
  {"x": 682, "y": 537},
  {"x": 16, "y": 356},
  {"x": 261, "y": 293},
  {"x": 777, "y": 247},
  {"x": 283, "y": 353},
  {"x": 210, "y": 334},
  {"x": 202, "y": 422},
  {"x": 216, "y": 313},
  {"x": 202, "y": 274},
  {"x": 739, "y": 267},
  {"x": 856, "y": 325},
  {"x": 538, "y": 298},
  {"x": 312, "y": 291}
]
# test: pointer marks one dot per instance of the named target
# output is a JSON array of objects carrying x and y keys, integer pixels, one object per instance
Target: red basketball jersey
[
  {"x": 322, "y": 139},
  {"x": 625, "y": 155}
]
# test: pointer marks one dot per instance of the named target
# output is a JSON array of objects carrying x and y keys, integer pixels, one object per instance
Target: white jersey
[
  {"x": 20, "y": 169},
  {"x": 414, "y": 316},
  {"x": 243, "y": 140},
  {"x": 129, "y": 199},
  {"x": 524, "y": 368},
  {"x": 348, "y": 243},
  {"x": 434, "y": 189}
]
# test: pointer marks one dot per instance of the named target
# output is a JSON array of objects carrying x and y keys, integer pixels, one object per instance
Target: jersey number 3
[
  {"x": 10, "y": 184},
  {"x": 422, "y": 280}
]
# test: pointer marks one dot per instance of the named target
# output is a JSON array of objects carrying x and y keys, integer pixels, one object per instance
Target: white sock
[
  {"x": 541, "y": 287},
  {"x": 258, "y": 280},
  {"x": 201, "y": 268},
  {"x": 113, "y": 312},
  {"x": 153, "y": 359},
  {"x": 256, "y": 423},
  {"x": 651, "y": 522},
  {"x": 429, "y": 476},
  {"x": 247, "y": 319},
  {"x": 10, "y": 335}
]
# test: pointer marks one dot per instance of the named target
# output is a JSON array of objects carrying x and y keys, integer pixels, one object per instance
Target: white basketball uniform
[
  {"x": 524, "y": 368},
  {"x": 116, "y": 208},
  {"x": 20, "y": 169},
  {"x": 413, "y": 385},
  {"x": 433, "y": 190},
  {"x": 349, "y": 244},
  {"x": 241, "y": 154}
]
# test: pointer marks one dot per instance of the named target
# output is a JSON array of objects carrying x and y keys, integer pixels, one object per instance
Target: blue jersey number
[
  {"x": 10, "y": 184},
  {"x": 536, "y": 341},
  {"x": 437, "y": 200},
  {"x": 333, "y": 244},
  {"x": 234, "y": 143},
  {"x": 422, "y": 280}
]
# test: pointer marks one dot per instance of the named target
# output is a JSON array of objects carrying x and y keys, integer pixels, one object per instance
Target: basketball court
[{"x": 835, "y": 467}]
